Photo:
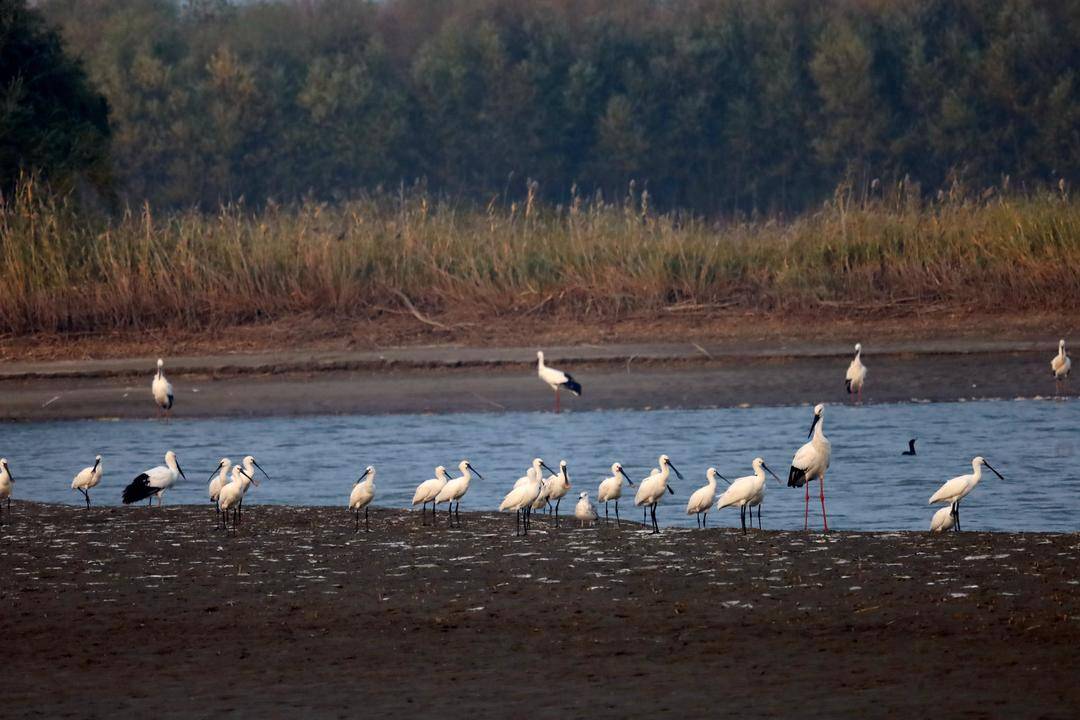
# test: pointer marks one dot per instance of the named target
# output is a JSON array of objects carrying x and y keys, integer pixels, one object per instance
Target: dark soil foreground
[{"x": 155, "y": 613}]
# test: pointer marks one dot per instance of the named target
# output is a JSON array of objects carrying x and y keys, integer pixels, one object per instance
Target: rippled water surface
[{"x": 870, "y": 486}]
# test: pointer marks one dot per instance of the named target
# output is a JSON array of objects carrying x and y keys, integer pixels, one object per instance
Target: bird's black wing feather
[
  {"x": 138, "y": 489},
  {"x": 796, "y": 477},
  {"x": 572, "y": 385}
]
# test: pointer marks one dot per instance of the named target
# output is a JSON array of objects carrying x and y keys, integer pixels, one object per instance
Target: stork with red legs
[{"x": 810, "y": 463}]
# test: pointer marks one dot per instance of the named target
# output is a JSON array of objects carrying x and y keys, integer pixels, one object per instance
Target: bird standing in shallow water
[
  {"x": 162, "y": 390},
  {"x": 7, "y": 483},
  {"x": 87, "y": 478},
  {"x": 811, "y": 462},
  {"x": 856, "y": 373},
  {"x": 910, "y": 447},
  {"x": 959, "y": 487},
  {"x": 556, "y": 379},
  {"x": 154, "y": 481},
  {"x": 1060, "y": 365}
]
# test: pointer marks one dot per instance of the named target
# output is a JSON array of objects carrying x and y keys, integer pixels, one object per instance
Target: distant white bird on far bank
[
  {"x": 584, "y": 510},
  {"x": 856, "y": 373},
  {"x": 1061, "y": 365},
  {"x": 87, "y": 478},
  {"x": 556, "y": 379},
  {"x": 162, "y": 389}
]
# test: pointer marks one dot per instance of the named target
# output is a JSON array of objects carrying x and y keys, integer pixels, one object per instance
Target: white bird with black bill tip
[
  {"x": 611, "y": 489},
  {"x": 162, "y": 390},
  {"x": 651, "y": 490},
  {"x": 219, "y": 479},
  {"x": 154, "y": 481},
  {"x": 362, "y": 494},
  {"x": 955, "y": 490},
  {"x": 856, "y": 373},
  {"x": 747, "y": 492},
  {"x": 702, "y": 498},
  {"x": 231, "y": 494},
  {"x": 556, "y": 379},
  {"x": 810, "y": 463},
  {"x": 1061, "y": 365},
  {"x": 454, "y": 490},
  {"x": 521, "y": 497},
  {"x": 87, "y": 478},
  {"x": 7, "y": 483},
  {"x": 427, "y": 491},
  {"x": 249, "y": 471},
  {"x": 537, "y": 464},
  {"x": 557, "y": 486},
  {"x": 584, "y": 510}
]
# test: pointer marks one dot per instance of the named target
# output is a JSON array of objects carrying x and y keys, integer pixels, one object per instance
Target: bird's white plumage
[
  {"x": 702, "y": 498},
  {"x": 162, "y": 388},
  {"x": 943, "y": 520},
  {"x": 219, "y": 479},
  {"x": 363, "y": 491},
  {"x": 745, "y": 490},
  {"x": 856, "y": 372},
  {"x": 429, "y": 489},
  {"x": 558, "y": 484},
  {"x": 232, "y": 492},
  {"x": 584, "y": 510},
  {"x": 550, "y": 375},
  {"x": 164, "y": 476},
  {"x": 523, "y": 495},
  {"x": 7, "y": 483},
  {"x": 88, "y": 477},
  {"x": 960, "y": 486},
  {"x": 611, "y": 487},
  {"x": 651, "y": 489},
  {"x": 456, "y": 488},
  {"x": 814, "y": 456},
  {"x": 1061, "y": 365}
]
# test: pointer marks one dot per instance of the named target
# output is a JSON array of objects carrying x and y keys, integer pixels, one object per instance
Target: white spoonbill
[
  {"x": 154, "y": 481},
  {"x": 943, "y": 520},
  {"x": 87, "y": 478},
  {"x": 811, "y": 462},
  {"x": 856, "y": 373},
  {"x": 651, "y": 490},
  {"x": 427, "y": 491},
  {"x": 702, "y": 498},
  {"x": 584, "y": 510},
  {"x": 557, "y": 487},
  {"x": 556, "y": 379},
  {"x": 1061, "y": 364},
  {"x": 747, "y": 493},
  {"x": 454, "y": 490},
  {"x": 219, "y": 479},
  {"x": 6, "y": 483},
  {"x": 959, "y": 487},
  {"x": 362, "y": 494},
  {"x": 162, "y": 389},
  {"x": 611, "y": 489},
  {"x": 249, "y": 470},
  {"x": 521, "y": 498},
  {"x": 231, "y": 494}
]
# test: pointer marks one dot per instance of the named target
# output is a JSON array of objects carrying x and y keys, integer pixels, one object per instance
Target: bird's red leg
[
  {"x": 806, "y": 511},
  {"x": 556, "y": 401},
  {"x": 824, "y": 519}
]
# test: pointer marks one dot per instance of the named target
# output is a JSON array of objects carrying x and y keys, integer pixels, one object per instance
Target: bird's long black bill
[
  {"x": 993, "y": 470},
  {"x": 813, "y": 425},
  {"x": 475, "y": 471},
  {"x": 623, "y": 473},
  {"x": 772, "y": 473},
  {"x": 260, "y": 469}
]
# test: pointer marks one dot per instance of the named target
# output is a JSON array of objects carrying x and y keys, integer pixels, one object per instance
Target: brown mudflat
[{"x": 158, "y": 613}]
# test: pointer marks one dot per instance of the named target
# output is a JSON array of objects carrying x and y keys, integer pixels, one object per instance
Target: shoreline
[{"x": 306, "y": 614}]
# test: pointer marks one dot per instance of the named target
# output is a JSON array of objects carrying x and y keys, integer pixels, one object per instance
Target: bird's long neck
[{"x": 819, "y": 429}]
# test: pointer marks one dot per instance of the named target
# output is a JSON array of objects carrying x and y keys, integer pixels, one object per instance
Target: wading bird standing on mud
[
  {"x": 584, "y": 510},
  {"x": 427, "y": 491},
  {"x": 811, "y": 462},
  {"x": 611, "y": 489},
  {"x": 702, "y": 498},
  {"x": 362, "y": 494},
  {"x": 219, "y": 479},
  {"x": 231, "y": 494},
  {"x": 87, "y": 478},
  {"x": 557, "y": 486},
  {"x": 454, "y": 490},
  {"x": 162, "y": 389},
  {"x": 959, "y": 487},
  {"x": 7, "y": 483},
  {"x": 521, "y": 497},
  {"x": 556, "y": 379},
  {"x": 943, "y": 520},
  {"x": 154, "y": 481},
  {"x": 747, "y": 492},
  {"x": 651, "y": 490},
  {"x": 249, "y": 470},
  {"x": 856, "y": 373},
  {"x": 1060, "y": 365}
]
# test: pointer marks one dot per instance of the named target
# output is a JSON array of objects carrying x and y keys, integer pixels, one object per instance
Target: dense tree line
[{"x": 719, "y": 106}]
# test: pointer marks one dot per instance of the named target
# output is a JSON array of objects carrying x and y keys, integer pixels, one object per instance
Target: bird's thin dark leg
[
  {"x": 617, "y": 522},
  {"x": 705, "y": 520},
  {"x": 367, "y": 522},
  {"x": 356, "y": 516},
  {"x": 742, "y": 518},
  {"x": 457, "y": 513},
  {"x": 557, "y": 511},
  {"x": 656, "y": 528},
  {"x": 607, "y": 520}
]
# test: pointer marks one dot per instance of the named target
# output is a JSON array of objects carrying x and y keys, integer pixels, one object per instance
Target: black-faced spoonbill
[
  {"x": 231, "y": 495},
  {"x": 611, "y": 489},
  {"x": 943, "y": 520},
  {"x": 454, "y": 490},
  {"x": 162, "y": 389},
  {"x": 521, "y": 497},
  {"x": 87, "y": 478},
  {"x": 811, "y": 462},
  {"x": 910, "y": 447},
  {"x": 557, "y": 487},
  {"x": 651, "y": 490},
  {"x": 249, "y": 470},
  {"x": 959, "y": 487},
  {"x": 219, "y": 479},
  {"x": 556, "y": 379},
  {"x": 702, "y": 498},
  {"x": 856, "y": 373},
  {"x": 584, "y": 510},
  {"x": 747, "y": 492},
  {"x": 427, "y": 491},
  {"x": 7, "y": 483},
  {"x": 154, "y": 481},
  {"x": 362, "y": 494},
  {"x": 1060, "y": 365}
]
